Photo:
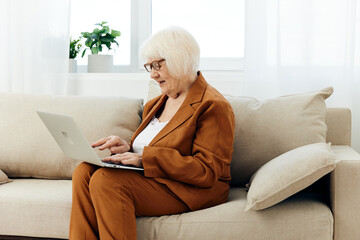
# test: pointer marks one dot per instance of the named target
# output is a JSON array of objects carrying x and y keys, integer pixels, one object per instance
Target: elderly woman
[{"x": 184, "y": 144}]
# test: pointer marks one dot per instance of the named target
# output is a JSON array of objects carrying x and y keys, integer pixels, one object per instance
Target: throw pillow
[
  {"x": 289, "y": 173},
  {"x": 268, "y": 128},
  {"x": 4, "y": 178}
]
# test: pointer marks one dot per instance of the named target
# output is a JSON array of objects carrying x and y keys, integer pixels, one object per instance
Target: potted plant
[
  {"x": 74, "y": 50},
  {"x": 95, "y": 41}
]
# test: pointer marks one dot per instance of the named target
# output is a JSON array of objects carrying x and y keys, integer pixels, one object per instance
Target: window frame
[{"x": 141, "y": 29}]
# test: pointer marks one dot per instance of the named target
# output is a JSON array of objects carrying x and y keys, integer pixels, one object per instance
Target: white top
[{"x": 147, "y": 135}]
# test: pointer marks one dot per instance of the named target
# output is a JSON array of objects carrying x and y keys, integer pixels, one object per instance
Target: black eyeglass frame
[{"x": 149, "y": 66}]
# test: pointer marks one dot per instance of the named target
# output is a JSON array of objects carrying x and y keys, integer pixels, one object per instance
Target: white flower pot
[
  {"x": 72, "y": 65},
  {"x": 100, "y": 63}
]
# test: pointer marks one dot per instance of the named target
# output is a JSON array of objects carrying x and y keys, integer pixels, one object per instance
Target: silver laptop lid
[{"x": 68, "y": 136}]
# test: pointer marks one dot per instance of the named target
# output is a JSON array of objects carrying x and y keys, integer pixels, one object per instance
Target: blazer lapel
[
  {"x": 186, "y": 110},
  {"x": 149, "y": 116}
]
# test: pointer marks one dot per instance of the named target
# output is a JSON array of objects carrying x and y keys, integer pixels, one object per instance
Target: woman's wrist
[{"x": 140, "y": 160}]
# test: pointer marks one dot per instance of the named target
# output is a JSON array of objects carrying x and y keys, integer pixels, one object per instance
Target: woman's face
[{"x": 167, "y": 83}]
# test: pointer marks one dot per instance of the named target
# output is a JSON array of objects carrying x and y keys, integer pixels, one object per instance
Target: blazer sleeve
[{"x": 211, "y": 153}]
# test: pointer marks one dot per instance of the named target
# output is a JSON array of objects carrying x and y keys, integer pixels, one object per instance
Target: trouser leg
[
  {"x": 83, "y": 224},
  {"x": 119, "y": 195}
]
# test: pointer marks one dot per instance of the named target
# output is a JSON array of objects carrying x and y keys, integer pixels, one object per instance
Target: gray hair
[{"x": 178, "y": 47}]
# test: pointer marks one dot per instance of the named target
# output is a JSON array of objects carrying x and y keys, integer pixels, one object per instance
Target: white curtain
[
  {"x": 293, "y": 46},
  {"x": 34, "y": 46}
]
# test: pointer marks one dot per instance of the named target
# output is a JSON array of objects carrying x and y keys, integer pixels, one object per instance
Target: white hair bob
[{"x": 178, "y": 47}]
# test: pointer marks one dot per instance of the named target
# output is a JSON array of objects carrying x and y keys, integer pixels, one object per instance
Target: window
[
  {"x": 84, "y": 15},
  {"x": 218, "y": 26}
]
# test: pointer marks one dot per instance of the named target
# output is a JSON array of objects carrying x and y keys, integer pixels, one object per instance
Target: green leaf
[
  {"x": 106, "y": 39},
  {"x": 96, "y": 31},
  {"x": 85, "y": 34},
  {"x": 95, "y": 50},
  {"x": 83, "y": 53},
  {"x": 75, "y": 47},
  {"x": 115, "y": 33},
  {"x": 107, "y": 29},
  {"x": 88, "y": 42},
  {"x": 93, "y": 36},
  {"x": 93, "y": 44},
  {"x": 103, "y": 22},
  {"x": 102, "y": 32}
]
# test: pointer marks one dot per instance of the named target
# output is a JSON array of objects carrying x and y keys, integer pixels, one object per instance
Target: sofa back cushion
[
  {"x": 27, "y": 149},
  {"x": 266, "y": 129},
  {"x": 338, "y": 121}
]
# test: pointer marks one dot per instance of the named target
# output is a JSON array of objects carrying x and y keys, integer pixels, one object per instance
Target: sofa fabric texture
[
  {"x": 288, "y": 174},
  {"x": 35, "y": 208},
  {"x": 41, "y": 207},
  {"x": 268, "y": 128},
  {"x": 345, "y": 194},
  {"x": 4, "y": 178},
  {"x": 338, "y": 129},
  {"x": 32, "y": 151}
]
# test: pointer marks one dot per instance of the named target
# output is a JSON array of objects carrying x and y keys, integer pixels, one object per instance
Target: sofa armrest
[{"x": 345, "y": 193}]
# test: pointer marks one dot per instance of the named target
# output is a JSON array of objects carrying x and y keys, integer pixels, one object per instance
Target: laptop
[{"x": 72, "y": 141}]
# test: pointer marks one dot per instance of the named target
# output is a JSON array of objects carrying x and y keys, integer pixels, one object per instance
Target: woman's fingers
[
  {"x": 99, "y": 142},
  {"x": 114, "y": 143},
  {"x": 119, "y": 149},
  {"x": 107, "y": 142},
  {"x": 124, "y": 158},
  {"x": 118, "y": 158}
]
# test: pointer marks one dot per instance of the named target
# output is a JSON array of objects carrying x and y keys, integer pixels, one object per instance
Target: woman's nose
[{"x": 154, "y": 73}]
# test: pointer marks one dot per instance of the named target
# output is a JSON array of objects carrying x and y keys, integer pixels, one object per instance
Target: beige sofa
[{"x": 37, "y": 202}]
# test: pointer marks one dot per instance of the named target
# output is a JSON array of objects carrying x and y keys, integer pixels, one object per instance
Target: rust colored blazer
[{"x": 192, "y": 153}]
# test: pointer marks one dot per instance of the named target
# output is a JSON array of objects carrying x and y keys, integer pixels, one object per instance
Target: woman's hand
[
  {"x": 127, "y": 158},
  {"x": 114, "y": 143}
]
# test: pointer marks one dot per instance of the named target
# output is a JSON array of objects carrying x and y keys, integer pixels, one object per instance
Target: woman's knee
[
  {"x": 83, "y": 172},
  {"x": 105, "y": 178},
  {"x": 97, "y": 180}
]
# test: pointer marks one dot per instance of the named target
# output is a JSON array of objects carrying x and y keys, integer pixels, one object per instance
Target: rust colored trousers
[{"x": 106, "y": 201}]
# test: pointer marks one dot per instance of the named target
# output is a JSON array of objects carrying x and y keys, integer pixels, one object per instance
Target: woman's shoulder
[{"x": 213, "y": 95}]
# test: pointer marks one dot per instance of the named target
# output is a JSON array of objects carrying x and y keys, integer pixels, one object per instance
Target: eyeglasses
[{"x": 155, "y": 64}]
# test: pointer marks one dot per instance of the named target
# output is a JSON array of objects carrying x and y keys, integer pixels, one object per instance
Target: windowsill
[
  {"x": 107, "y": 76},
  {"x": 212, "y": 74},
  {"x": 135, "y": 84},
  {"x": 206, "y": 64}
]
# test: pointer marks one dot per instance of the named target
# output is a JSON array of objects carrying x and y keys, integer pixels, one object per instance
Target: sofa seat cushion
[
  {"x": 35, "y": 208},
  {"x": 41, "y": 208},
  {"x": 302, "y": 216}
]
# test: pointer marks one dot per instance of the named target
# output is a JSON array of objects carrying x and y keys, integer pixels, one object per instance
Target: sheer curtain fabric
[
  {"x": 293, "y": 46},
  {"x": 35, "y": 43}
]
